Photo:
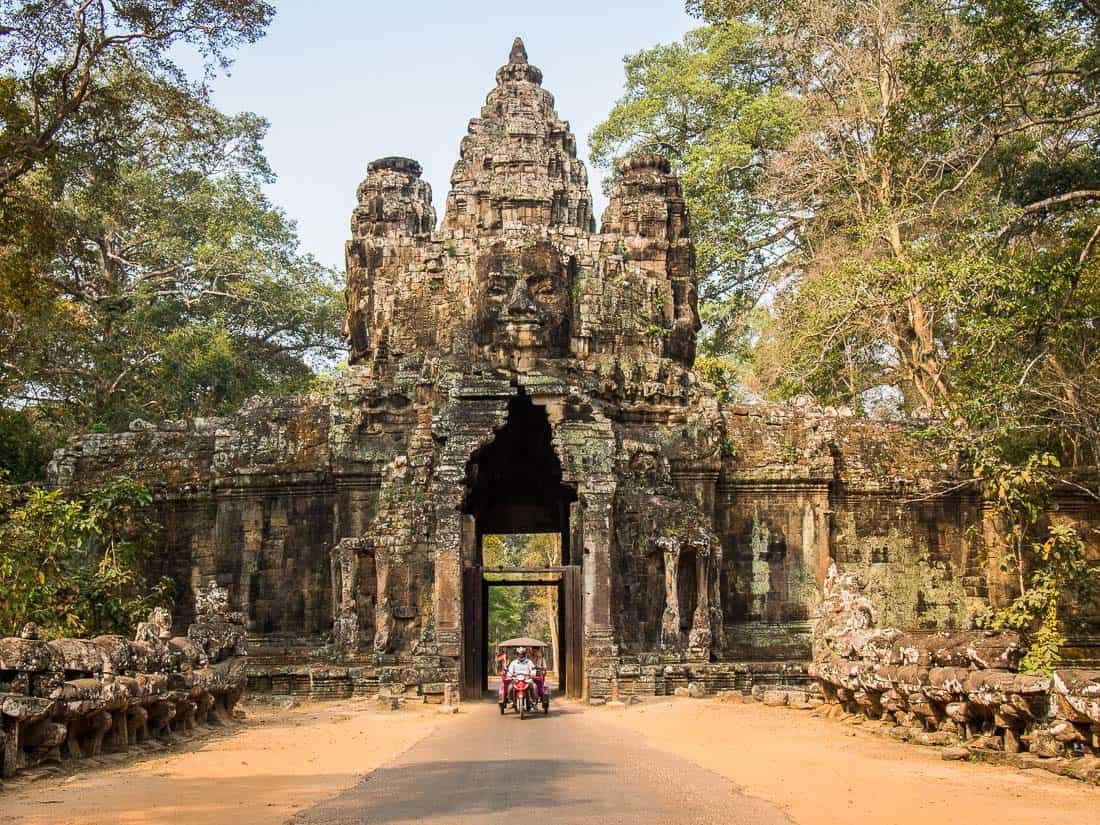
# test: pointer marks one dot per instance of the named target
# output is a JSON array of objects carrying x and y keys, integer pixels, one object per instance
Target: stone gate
[{"x": 516, "y": 369}]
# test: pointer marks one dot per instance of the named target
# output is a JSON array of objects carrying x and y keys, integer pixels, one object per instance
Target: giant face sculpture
[{"x": 524, "y": 299}]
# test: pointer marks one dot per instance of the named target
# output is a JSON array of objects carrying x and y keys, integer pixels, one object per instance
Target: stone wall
[
  {"x": 267, "y": 500},
  {"x": 244, "y": 502},
  {"x": 76, "y": 698}
]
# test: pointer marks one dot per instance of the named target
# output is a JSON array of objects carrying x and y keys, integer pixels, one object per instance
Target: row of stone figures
[
  {"x": 71, "y": 698},
  {"x": 949, "y": 687}
]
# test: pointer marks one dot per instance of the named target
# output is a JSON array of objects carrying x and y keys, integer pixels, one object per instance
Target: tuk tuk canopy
[{"x": 521, "y": 642}]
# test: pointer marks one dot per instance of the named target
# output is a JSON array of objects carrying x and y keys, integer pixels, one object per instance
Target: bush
[
  {"x": 24, "y": 448},
  {"x": 74, "y": 566}
]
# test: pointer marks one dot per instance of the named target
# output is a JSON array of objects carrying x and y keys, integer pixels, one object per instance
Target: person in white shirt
[{"x": 522, "y": 666}]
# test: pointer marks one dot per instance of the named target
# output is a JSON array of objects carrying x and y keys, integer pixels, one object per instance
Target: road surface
[{"x": 568, "y": 767}]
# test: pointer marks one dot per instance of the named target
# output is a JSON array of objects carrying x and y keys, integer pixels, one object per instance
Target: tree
[
  {"x": 930, "y": 129},
  {"x": 61, "y": 60},
  {"x": 144, "y": 272},
  {"x": 922, "y": 143},
  {"x": 921, "y": 235},
  {"x": 75, "y": 567},
  {"x": 175, "y": 292}
]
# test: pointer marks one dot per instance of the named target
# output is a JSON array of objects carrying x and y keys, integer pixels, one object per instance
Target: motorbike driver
[{"x": 522, "y": 666}]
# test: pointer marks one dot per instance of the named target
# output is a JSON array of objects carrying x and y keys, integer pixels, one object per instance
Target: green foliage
[
  {"x": 1049, "y": 560},
  {"x": 176, "y": 293},
  {"x": 505, "y": 613},
  {"x": 75, "y": 566},
  {"x": 720, "y": 372},
  {"x": 24, "y": 447},
  {"x": 66, "y": 64},
  {"x": 902, "y": 188},
  {"x": 143, "y": 272},
  {"x": 1059, "y": 571}
]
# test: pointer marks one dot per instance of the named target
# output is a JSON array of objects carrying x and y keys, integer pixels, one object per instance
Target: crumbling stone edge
[
  {"x": 956, "y": 690},
  {"x": 71, "y": 699}
]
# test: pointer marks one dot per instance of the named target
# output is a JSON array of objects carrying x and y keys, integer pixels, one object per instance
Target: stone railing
[
  {"x": 949, "y": 688},
  {"x": 71, "y": 698}
]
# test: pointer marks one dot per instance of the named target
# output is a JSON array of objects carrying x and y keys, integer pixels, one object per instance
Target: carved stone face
[{"x": 524, "y": 299}]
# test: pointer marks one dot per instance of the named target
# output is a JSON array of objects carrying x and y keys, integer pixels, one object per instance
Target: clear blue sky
[{"x": 344, "y": 82}]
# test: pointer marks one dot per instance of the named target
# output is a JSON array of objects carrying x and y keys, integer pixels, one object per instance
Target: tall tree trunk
[{"x": 552, "y": 611}]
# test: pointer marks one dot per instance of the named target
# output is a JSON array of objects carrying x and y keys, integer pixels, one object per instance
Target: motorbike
[
  {"x": 526, "y": 694},
  {"x": 521, "y": 697}
]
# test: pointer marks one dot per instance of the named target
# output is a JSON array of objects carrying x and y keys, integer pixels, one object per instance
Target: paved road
[{"x": 568, "y": 767}]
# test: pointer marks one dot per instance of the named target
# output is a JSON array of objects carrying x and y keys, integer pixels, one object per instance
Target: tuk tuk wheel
[{"x": 502, "y": 708}]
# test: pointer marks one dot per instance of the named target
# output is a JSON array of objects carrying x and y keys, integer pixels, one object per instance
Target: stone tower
[
  {"x": 517, "y": 274},
  {"x": 538, "y": 332}
]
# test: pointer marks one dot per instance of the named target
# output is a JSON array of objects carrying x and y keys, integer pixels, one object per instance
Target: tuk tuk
[{"x": 518, "y": 694}]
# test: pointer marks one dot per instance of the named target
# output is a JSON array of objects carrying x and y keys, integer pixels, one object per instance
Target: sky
[{"x": 345, "y": 82}]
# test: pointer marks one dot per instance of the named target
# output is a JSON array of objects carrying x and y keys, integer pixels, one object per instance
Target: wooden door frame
[{"x": 569, "y": 660}]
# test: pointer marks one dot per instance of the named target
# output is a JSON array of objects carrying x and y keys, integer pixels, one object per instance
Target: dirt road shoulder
[
  {"x": 280, "y": 761},
  {"x": 823, "y": 772}
]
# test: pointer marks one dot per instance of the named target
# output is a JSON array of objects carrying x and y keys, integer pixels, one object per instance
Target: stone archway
[
  {"x": 576, "y": 441},
  {"x": 514, "y": 485},
  {"x": 514, "y": 482}
]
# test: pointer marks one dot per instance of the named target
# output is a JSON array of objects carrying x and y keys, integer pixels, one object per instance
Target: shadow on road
[{"x": 405, "y": 793}]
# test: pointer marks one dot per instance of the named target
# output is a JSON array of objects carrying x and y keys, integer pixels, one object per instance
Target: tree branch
[{"x": 1047, "y": 204}]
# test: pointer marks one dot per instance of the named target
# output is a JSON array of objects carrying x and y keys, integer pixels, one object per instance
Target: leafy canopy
[
  {"x": 881, "y": 167},
  {"x": 143, "y": 272},
  {"x": 62, "y": 60}
]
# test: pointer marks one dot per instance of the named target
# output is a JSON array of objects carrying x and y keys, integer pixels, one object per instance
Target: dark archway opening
[
  {"x": 515, "y": 483},
  {"x": 515, "y": 486}
]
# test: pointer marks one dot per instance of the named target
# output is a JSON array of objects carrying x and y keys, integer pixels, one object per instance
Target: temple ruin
[{"x": 516, "y": 369}]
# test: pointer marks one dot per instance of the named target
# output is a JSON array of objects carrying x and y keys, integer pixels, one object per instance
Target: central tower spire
[
  {"x": 519, "y": 51},
  {"x": 518, "y": 163}
]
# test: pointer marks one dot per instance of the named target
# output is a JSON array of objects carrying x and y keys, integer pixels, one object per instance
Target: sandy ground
[
  {"x": 303, "y": 760},
  {"x": 825, "y": 772},
  {"x": 279, "y": 762}
]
